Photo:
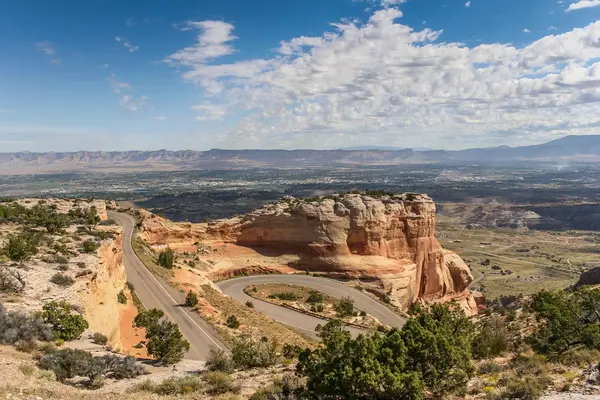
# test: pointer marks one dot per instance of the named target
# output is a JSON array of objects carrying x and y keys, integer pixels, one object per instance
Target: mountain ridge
[{"x": 569, "y": 148}]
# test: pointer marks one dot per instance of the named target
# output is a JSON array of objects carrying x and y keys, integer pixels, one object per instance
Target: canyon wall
[
  {"x": 99, "y": 298},
  {"x": 390, "y": 239}
]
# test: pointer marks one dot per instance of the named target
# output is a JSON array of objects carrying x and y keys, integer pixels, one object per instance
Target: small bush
[
  {"x": 26, "y": 346},
  {"x": 344, "y": 307},
  {"x": 66, "y": 326},
  {"x": 16, "y": 326},
  {"x": 63, "y": 267},
  {"x": 61, "y": 279},
  {"x": 523, "y": 388},
  {"x": 232, "y": 322},
  {"x": 100, "y": 338},
  {"x": 249, "y": 304},
  {"x": 47, "y": 375},
  {"x": 492, "y": 340},
  {"x": 81, "y": 264},
  {"x": 490, "y": 367},
  {"x": 60, "y": 259},
  {"x": 248, "y": 353},
  {"x": 219, "y": 360},
  {"x": 191, "y": 299},
  {"x": 11, "y": 280},
  {"x": 291, "y": 351},
  {"x": 166, "y": 258},
  {"x": 289, "y": 296},
  {"x": 315, "y": 297},
  {"x": 165, "y": 341},
  {"x": 320, "y": 307},
  {"x": 89, "y": 246},
  {"x": 219, "y": 383},
  {"x": 175, "y": 386},
  {"x": 121, "y": 298}
]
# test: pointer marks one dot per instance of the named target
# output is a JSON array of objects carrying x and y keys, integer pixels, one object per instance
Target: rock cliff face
[
  {"x": 99, "y": 299},
  {"x": 390, "y": 239}
]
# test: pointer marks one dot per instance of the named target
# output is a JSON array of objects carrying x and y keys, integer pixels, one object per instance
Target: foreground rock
[{"x": 386, "y": 242}]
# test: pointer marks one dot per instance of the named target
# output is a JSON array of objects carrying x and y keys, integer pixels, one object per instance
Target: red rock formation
[{"x": 389, "y": 239}]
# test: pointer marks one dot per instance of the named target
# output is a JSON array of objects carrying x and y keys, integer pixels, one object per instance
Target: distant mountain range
[{"x": 569, "y": 148}]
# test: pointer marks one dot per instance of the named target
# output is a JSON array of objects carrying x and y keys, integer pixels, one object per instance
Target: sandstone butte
[{"x": 387, "y": 243}]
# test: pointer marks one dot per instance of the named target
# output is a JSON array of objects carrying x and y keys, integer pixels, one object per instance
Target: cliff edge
[{"x": 385, "y": 238}]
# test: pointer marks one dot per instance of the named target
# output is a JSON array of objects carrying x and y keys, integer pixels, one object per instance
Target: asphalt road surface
[
  {"x": 156, "y": 293},
  {"x": 306, "y": 323}
]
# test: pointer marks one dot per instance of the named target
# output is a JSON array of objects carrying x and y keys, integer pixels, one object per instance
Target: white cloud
[
  {"x": 526, "y": 30},
  {"x": 116, "y": 84},
  {"x": 212, "y": 42},
  {"x": 132, "y": 103},
  {"x": 48, "y": 49},
  {"x": 468, "y": 4},
  {"x": 160, "y": 118},
  {"x": 394, "y": 84},
  {"x": 128, "y": 45},
  {"x": 583, "y": 4},
  {"x": 210, "y": 112}
]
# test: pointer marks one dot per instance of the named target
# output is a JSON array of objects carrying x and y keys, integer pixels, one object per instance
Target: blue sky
[{"x": 120, "y": 75}]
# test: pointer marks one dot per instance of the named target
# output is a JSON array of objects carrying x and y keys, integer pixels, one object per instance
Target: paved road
[
  {"x": 235, "y": 288},
  {"x": 155, "y": 293}
]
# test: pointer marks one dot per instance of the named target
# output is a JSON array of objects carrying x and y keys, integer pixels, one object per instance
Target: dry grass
[
  {"x": 149, "y": 258},
  {"x": 251, "y": 322}
]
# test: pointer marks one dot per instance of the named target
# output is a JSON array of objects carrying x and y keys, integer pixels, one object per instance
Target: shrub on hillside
[
  {"x": 220, "y": 382},
  {"x": 219, "y": 360},
  {"x": 315, "y": 297},
  {"x": 21, "y": 247},
  {"x": 61, "y": 279},
  {"x": 165, "y": 341},
  {"x": 70, "y": 363},
  {"x": 289, "y": 296},
  {"x": 431, "y": 353},
  {"x": 172, "y": 386},
  {"x": 249, "y": 353},
  {"x": 493, "y": 338},
  {"x": 344, "y": 307},
  {"x": 99, "y": 338},
  {"x": 11, "y": 280},
  {"x": 65, "y": 325},
  {"x": 166, "y": 258},
  {"x": 89, "y": 246},
  {"x": 567, "y": 321},
  {"x": 232, "y": 322},
  {"x": 121, "y": 298},
  {"x": 17, "y": 326},
  {"x": 191, "y": 299}
]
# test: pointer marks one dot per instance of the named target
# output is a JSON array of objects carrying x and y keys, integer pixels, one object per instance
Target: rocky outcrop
[
  {"x": 389, "y": 239},
  {"x": 99, "y": 299}
]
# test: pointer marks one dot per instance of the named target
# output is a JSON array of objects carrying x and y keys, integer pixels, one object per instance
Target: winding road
[
  {"x": 306, "y": 323},
  {"x": 156, "y": 293}
]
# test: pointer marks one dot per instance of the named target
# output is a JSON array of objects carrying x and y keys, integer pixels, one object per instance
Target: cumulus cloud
[
  {"x": 212, "y": 42},
  {"x": 132, "y": 103},
  {"x": 128, "y": 45},
  {"x": 583, "y": 4},
  {"x": 393, "y": 84},
  {"x": 468, "y": 4},
  {"x": 526, "y": 30}
]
